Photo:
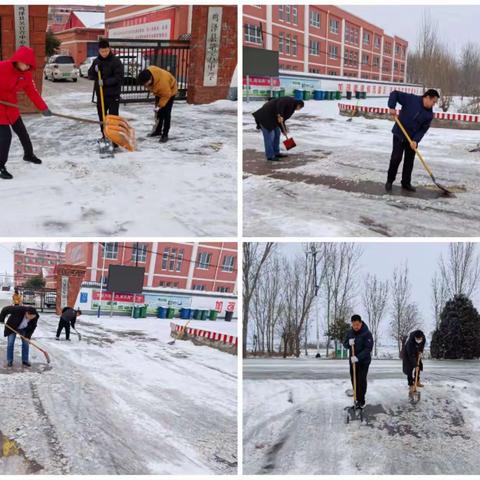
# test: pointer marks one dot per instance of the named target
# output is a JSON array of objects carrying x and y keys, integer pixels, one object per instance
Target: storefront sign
[
  {"x": 212, "y": 49},
  {"x": 22, "y": 33}
]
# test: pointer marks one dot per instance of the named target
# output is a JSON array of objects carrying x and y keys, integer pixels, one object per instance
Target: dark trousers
[
  {"x": 112, "y": 107},
  {"x": 401, "y": 149},
  {"x": 361, "y": 370},
  {"x": 6, "y": 139},
  {"x": 63, "y": 324},
  {"x": 411, "y": 377},
  {"x": 164, "y": 115}
]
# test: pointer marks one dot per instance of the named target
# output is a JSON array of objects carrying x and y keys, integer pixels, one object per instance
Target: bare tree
[
  {"x": 439, "y": 297},
  {"x": 400, "y": 300},
  {"x": 254, "y": 257},
  {"x": 460, "y": 272},
  {"x": 18, "y": 246},
  {"x": 375, "y": 299}
]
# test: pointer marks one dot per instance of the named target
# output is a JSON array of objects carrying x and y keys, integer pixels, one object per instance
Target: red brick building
[
  {"x": 58, "y": 15},
  {"x": 80, "y": 34},
  {"x": 33, "y": 262},
  {"x": 157, "y": 22},
  {"x": 193, "y": 266},
  {"x": 37, "y": 26},
  {"x": 326, "y": 40}
]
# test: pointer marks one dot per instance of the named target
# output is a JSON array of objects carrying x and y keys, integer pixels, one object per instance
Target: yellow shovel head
[{"x": 119, "y": 131}]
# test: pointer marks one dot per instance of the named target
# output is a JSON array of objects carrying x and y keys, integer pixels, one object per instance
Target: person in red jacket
[{"x": 16, "y": 75}]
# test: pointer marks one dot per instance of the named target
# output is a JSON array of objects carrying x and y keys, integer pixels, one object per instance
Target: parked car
[
  {"x": 28, "y": 297},
  {"x": 50, "y": 299},
  {"x": 60, "y": 67},
  {"x": 83, "y": 68}
]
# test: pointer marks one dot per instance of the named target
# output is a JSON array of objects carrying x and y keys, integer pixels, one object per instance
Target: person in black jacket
[
  {"x": 112, "y": 71},
  {"x": 412, "y": 352},
  {"x": 271, "y": 120},
  {"x": 24, "y": 321},
  {"x": 67, "y": 319},
  {"x": 359, "y": 338},
  {"x": 416, "y": 116}
]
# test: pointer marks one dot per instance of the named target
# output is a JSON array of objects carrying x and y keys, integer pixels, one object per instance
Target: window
[
  {"x": 295, "y": 15},
  {"x": 333, "y": 52},
  {"x": 378, "y": 41},
  {"x": 366, "y": 38},
  {"x": 253, "y": 34},
  {"x": 139, "y": 255},
  {"x": 314, "y": 47},
  {"x": 314, "y": 18},
  {"x": 287, "y": 13},
  {"x": 294, "y": 46},
  {"x": 228, "y": 263},
  {"x": 402, "y": 68},
  {"x": 204, "y": 259},
  {"x": 281, "y": 42},
  {"x": 314, "y": 70},
  {"x": 172, "y": 259},
  {"x": 198, "y": 287},
  {"x": 334, "y": 25},
  {"x": 376, "y": 61},
  {"x": 365, "y": 59},
  {"x": 280, "y": 12},
  {"x": 287, "y": 44},
  {"x": 179, "y": 260},
  {"x": 166, "y": 253},
  {"x": 110, "y": 251},
  {"x": 222, "y": 289},
  {"x": 171, "y": 263}
]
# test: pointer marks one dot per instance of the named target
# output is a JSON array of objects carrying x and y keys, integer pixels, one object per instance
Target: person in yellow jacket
[
  {"x": 17, "y": 298},
  {"x": 164, "y": 86}
]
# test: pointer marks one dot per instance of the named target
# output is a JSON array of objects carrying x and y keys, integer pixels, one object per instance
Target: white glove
[
  {"x": 354, "y": 359},
  {"x": 351, "y": 342}
]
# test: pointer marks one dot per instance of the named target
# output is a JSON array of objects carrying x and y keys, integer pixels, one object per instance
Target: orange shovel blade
[{"x": 119, "y": 131}]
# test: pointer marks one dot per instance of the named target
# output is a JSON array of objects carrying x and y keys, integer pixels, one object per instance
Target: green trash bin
[
  {"x": 307, "y": 95},
  {"x": 136, "y": 311},
  {"x": 338, "y": 95},
  {"x": 143, "y": 311},
  {"x": 204, "y": 314},
  {"x": 197, "y": 315},
  {"x": 281, "y": 92},
  {"x": 213, "y": 315},
  {"x": 170, "y": 312}
]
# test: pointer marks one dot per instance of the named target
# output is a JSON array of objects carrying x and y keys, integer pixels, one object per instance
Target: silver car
[
  {"x": 60, "y": 67},
  {"x": 83, "y": 69}
]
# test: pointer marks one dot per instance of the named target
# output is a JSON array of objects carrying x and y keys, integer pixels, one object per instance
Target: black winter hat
[{"x": 103, "y": 43}]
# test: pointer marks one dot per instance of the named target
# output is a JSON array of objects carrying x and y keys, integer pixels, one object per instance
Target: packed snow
[
  {"x": 294, "y": 419},
  {"x": 332, "y": 183},
  {"x": 120, "y": 401},
  {"x": 184, "y": 187}
]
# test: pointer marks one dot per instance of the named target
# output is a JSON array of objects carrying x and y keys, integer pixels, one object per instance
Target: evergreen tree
[{"x": 458, "y": 334}]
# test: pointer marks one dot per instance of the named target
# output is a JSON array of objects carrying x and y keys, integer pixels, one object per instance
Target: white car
[
  {"x": 83, "y": 69},
  {"x": 60, "y": 67}
]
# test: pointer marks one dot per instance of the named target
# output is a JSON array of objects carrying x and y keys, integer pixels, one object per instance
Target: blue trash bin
[
  {"x": 317, "y": 95},
  {"x": 298, "y": 94},
  {"x": 161, "y": 312},
  {"x": 185, "y": 313}
]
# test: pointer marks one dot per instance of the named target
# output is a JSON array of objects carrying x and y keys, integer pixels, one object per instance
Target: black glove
[{"x": 47, "y": 113}]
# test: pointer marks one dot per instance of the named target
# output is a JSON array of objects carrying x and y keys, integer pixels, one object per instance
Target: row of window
[
  {"x": 172, "y": 258},
  {"x": 288, "y": 14},
  {"x": 39, "y": 260}
]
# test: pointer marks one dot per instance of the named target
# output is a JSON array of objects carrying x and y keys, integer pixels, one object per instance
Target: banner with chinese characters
[{"x": 212, "y": 48}]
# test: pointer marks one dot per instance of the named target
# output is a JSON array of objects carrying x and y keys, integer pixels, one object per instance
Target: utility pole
[{"x": 313, "y": 252}]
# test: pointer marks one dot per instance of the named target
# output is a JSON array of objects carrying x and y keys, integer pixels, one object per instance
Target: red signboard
[
  {"x": 231, "y": 307},
  {"x": 262, "y": 81},
  {"x": 119, "y": 297}
]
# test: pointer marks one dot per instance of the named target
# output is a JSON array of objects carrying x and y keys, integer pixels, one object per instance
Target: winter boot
[
  {"x": 26, "y": 364},
  {"x": 153, "y": 134},
  {"x": 57, "y": 338},
  {"x": 274, "y": 159},
  {"x": 164, "y": 139},
  {"x": 33, "y": 159},
  {"x": 10, "y": 364},
  {"x": 409, "y": 187},
  {"x": 388, "y": 186},
  {"x": 421, "y": 385},
  {"x": 281, "y": 155},
  {"x": 4, "y": 174}
]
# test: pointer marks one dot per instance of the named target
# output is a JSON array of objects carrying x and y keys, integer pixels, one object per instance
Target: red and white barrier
[
  {"x": 209, "y": 335},
  {"x": 459, "y": 117}
]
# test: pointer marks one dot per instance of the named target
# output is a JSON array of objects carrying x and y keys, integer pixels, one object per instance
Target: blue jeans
[
  {"x": 11, "y": 343},
  {"x": 271, "y": 139}
]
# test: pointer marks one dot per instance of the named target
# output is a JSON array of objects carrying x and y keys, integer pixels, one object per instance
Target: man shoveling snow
[
  {"x": 416, "y": 116},
  {"x": 412, "y": 353},
  {"x": 16, "y": 75},
  {"x": 68, "y": 318}
]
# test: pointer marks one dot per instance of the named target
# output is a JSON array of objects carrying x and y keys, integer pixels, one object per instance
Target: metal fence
[{"x": 136, "y": 55}]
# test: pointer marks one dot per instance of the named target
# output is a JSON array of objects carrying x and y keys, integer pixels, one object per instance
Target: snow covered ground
[
  {"x": 121, "y": 401},
  {"x": 332, "y": 184},
  {"x": 294, "y": 419},
  {"x": 184, "y": 187}
]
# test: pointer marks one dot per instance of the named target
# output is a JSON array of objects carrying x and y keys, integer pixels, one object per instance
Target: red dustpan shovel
[{"x": 289, "y": 142}]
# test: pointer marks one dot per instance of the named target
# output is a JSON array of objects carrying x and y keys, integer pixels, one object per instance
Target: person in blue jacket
[
  {"x": 359, "y": 337},
  {"x": 416, "y": 116}
]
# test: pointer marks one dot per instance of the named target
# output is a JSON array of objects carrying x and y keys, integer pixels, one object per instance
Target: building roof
[{"x": 91, "y": 19}]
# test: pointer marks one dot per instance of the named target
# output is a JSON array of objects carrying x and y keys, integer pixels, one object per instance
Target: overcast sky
[
  {"x": 382, "y": 258},
  {"x": 457, "y": 25}
]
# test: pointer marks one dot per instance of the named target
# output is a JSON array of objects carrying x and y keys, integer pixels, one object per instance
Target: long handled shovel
[
  {"x": 30, "y": 342},
  {"x": 415, "y": 396},
  {"x": 354, "y": 112},
  {"x": 180, "y": 334},
  {"x": 420, "y": 156},
  {"x": 78, "y": 333},
  {"x": 354, "y": 410}
]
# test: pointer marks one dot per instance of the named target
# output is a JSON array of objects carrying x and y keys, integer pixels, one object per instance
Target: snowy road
[
  {"x": 332, "y": 183},
  {"x": 184, "y": 187},
  {"x": 294, "y": 419},
  {"x": 121, "y": 401}
]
